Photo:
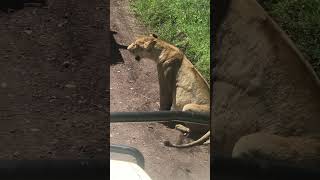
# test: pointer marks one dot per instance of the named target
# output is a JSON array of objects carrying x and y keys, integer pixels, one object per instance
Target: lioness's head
[{"x": 143, "y": 47}]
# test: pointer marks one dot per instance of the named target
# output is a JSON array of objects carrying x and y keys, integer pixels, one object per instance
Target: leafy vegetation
[
  {"x": 184, "y": 23},
  {"x": 301, "y": 21}
]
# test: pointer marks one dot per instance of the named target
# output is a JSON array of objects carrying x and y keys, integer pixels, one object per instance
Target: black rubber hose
[
  {"x": 130, "y": 151},
  {"x": 160, "y": 116}
]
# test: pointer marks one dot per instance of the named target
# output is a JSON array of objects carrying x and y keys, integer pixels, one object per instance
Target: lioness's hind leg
[
  {"x": 196, "y": 108},
  {"x": 204, "y": 139},
  {"x": 191, "y": 108},
  {"x": 260, "y": 146}
]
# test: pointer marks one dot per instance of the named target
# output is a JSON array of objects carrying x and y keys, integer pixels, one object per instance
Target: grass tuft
[{"x": 300, "y": 19}]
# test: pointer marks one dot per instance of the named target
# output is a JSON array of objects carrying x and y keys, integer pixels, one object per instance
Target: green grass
[
  {"x": 301, "y": 21},
  {"x": 184, "y": 23}
]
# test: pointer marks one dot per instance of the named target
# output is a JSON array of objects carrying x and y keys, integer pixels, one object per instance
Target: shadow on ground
[{"x": 116, "y": 57}]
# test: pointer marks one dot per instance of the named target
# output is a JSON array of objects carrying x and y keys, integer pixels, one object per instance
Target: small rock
[
  {"x": 118, "y": 71},
  {"x": 51, "y": 58},
  {"x": 62, "y": 24},
  {"x": 131, "y": 88},
  {"x": 34, "y": 12},
  {"x": 66, "y": 64},
  {"x": 34, "y": 129},
  {"x": 16, "y": 154},
  {"x": 70, "y": 86},
  {"x": 52, "y": 100},
  {"x": 12, "y": 131},
  {"x": 28, "y": 32},
  {"x": 4, "y": 85},
  {"x": 82, "y": 101},
  {"x": 66, "y": 15}
]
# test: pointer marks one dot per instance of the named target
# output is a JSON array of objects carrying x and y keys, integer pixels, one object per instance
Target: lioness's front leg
[
  {"x": 167, "y": 82},
  {"x": 167, "y": 73}
]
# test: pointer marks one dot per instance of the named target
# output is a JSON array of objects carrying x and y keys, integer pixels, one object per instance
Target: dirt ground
[
  {"x": 53, "y": 64},
  {"x": 134, "y": 87}
]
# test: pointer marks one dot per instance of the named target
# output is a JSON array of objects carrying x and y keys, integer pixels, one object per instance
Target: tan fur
[{"x": 182, "y": 88}]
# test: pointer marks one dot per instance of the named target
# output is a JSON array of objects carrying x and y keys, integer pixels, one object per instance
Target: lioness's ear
[
  {"x": 150, "y": 44},
  {"x": 154, "y": 35}
]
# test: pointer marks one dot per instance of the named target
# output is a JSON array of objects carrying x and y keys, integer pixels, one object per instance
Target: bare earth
[
  {"x": 134, "y": 87},
  {"x": 53, "y": 65}
]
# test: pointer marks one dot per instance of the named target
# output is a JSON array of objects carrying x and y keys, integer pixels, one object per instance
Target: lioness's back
[{"x": 191, "y": 86}]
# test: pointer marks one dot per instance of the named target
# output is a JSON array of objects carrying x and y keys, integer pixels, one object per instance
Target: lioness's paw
[{"x": 182, "y": 128}]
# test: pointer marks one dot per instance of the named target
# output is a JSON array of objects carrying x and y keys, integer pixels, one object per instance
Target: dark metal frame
[
  {"x": 123, "y": 149},
  {"x": 157, "y": 116}
]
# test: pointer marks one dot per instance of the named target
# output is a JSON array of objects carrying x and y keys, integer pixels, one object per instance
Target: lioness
[
  {"x": 266, "y": 105},
  {"x": 181, "y": 86}
]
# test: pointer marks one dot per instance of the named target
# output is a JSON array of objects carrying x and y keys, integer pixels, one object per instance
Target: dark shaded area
[
  {"x": 116, "y": 57},
  {"x": 219, "y": 12},
  {"x": 53, "y": 169},
  {"x": 5, "y": 5},
  {"x": 54, "y": 83},
  {"x": 11, "y": 4},
  {"x": 226, "y": 168}
]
